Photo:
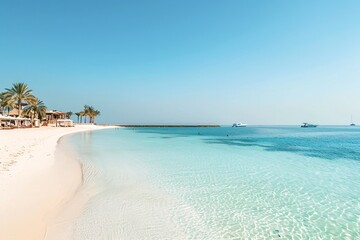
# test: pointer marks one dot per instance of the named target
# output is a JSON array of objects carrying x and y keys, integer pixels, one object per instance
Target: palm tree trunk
[
  {"x": 19, "y": 108},
  {"x": 19, "y": 112}
]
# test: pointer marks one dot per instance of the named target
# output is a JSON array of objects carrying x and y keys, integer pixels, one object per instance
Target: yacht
[
  {"x": 239, "y": 125},
  {"x": 306, "y": 125},
  {"x": 352, "y": 124}
]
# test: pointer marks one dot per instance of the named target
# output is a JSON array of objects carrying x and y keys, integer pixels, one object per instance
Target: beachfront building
[
  {"x": 52, "y": 116},
  {"x": 14, "y": 113},
  {"x": 5, "y": 121},
  {"x": 14, "y": 122},
  {"x": 64, "y": 123}
]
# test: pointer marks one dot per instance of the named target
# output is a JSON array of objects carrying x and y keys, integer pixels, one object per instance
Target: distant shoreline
[
  {"x": 217, "y": 126},
  {"x": 159, "y": 125}
]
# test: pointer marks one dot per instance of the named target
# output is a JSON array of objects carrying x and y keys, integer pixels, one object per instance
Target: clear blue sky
[{"x": 259, "y": 62}]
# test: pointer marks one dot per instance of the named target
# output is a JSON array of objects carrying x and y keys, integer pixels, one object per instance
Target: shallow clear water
[{"x": 220, "y": 183}]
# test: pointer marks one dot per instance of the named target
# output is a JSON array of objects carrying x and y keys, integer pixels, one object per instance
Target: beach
[
  {"x": 33, "y": 183},
  {"x": 179, "y": 183},
  {"x": 173, "y": 120}
]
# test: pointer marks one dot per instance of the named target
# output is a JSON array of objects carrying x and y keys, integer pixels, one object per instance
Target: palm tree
[
  {"x": 2, "y": 104},
  {"x": 36, "y": 109},
  {"x": 19, "y": 93},
  {"x": 2, "y": 108},
  {"x": 5, "y": 104},
  {"x": 95, "y": 114},
  {"x": 92, "y": 114},
  {"x": 87, "y": 110},
  {"x": 82, "y": 114},
  {"x": 69, "y": 114},
  {"x": 78, "y": 116}
]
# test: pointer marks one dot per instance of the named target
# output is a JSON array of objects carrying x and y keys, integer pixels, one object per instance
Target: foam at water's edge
[{"x": 60, "y": 226}]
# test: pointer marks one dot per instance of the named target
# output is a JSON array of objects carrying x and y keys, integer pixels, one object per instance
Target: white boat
[
  {"x": 352, "y": 124},
  {"x": 239, "y": 125},
  {"x": 308, "y": 125}
]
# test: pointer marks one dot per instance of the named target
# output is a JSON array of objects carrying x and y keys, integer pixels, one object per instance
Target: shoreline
[
  {"x": 163, "y": 125},
  {"x": 61, "y": 225},
  {"x": 34, "y": 183},
  {"x": 141, "y": 206}
]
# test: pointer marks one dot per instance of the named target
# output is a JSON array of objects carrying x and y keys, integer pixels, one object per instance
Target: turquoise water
[{"x": 220, "y": 183}]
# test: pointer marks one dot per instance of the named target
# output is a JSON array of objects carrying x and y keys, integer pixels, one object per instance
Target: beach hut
[
  {"x": 52, "y": 116},
  {"x": 36, "y": 122},
  {"x": 14, "y": 113},
  {"x": 22, "y": 122},
  {"x": 64, "y": 123},
  {"x": 5, "y": 121}
]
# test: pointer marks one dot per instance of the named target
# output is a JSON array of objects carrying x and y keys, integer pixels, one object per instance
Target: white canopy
[
  {"x": 20, "y": 118},
  {"x": 6, "y": 118},
  {"x": 65, "y": 120}
]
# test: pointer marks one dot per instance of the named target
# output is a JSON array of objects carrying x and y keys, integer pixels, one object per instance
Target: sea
[{"x": 255, "y": 182}]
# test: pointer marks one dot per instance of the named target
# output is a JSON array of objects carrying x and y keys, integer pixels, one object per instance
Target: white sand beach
[{"x": 33, "y": 185}]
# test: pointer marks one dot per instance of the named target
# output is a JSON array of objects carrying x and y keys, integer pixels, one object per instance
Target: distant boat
[
  {"x": 239, "y": 125},
  {"x": 307, "y": 125},
  {"x": 352, "y": 124}
]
